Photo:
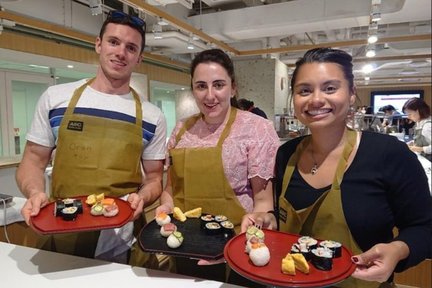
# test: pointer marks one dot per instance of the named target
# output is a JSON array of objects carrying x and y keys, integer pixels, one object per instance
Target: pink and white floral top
[{"x": 248, "y": 151}]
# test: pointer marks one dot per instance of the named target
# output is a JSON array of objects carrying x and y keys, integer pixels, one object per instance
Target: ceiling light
[
  {"x": 368, "y": 68},
  {"x": 373, "y": 38},
  {"x": 190, "y": 45},
  {"x": 367, "y": 78},
  {"x": 70, "y": 66},
  {"x": 95, "y": 7},
  {"x": 370, "y": 52}
]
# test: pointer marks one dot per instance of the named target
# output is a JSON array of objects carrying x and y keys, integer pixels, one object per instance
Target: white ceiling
[{"x": 270, "y": 28}]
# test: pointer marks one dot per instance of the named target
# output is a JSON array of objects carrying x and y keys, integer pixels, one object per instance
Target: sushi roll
[
  {"x": 227, "y": 227},
  {"x": 220, "y": 218},
  {"x": 162, "y": 218},
  {"x": 322, "y": 258},
  {"x": 168, "y": 229},
  {"x": 69, "y": 202},
  {"x": 69, "y": 213},
  {"x": 302, "y": 249},
  {"x": 213, "y": 228},
  {"x": 78, "y": 204},
  {"x": 175, "y": 239},
  {"x": 259, "y": 254},
  {"x": 58, "y": 207},
  {"x": 206, "y": 219},
  {"x": 310, "y": 242},
  {"x": 334, "y": 246}
]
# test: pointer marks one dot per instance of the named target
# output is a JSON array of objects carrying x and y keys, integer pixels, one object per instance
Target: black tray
[{"x": 196, "y": 244}]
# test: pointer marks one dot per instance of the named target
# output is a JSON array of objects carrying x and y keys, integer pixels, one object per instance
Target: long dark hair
[
  {"x": 328, "y": 55},
  {"x": 220, "y": 57}
]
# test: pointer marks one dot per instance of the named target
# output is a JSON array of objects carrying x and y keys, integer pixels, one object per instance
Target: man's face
[{"x": 119, "y": 51}]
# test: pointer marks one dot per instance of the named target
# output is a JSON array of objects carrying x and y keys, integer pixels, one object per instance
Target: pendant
[{"x": 314, "y": 169}]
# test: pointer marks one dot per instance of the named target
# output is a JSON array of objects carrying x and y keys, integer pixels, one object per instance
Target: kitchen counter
[{"x": 29, "y": 267}]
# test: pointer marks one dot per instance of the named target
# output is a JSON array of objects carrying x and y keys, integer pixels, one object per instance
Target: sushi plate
[
  {"x": 47, "y": 223},
  {"x": 196, "y": 244},
  {"x": 280, "y": 244}
]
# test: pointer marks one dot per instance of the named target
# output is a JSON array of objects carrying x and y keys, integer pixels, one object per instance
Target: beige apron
[
  {"x": 198, "y": 178},
  {"x": 95, "y": 155},
  {"x": 325, "y": 218}
]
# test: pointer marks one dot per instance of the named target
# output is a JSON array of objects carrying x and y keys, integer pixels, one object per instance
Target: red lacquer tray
[
  {"x": 47, "y": 223},
  {"x": 280, "y": 244}
]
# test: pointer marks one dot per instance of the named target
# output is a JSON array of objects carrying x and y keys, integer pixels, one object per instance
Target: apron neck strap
[
  {"x": 192, "y": 120},
  {"x": 351, "y": 137},
  {"x": 78, "y": 92}
]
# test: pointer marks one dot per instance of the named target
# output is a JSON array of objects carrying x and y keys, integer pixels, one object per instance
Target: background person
[
  {"x": 418, "y": 111},
  {"x": 229, "y": 155},
  {"x": 104, "y": 136},
  {"x": 248, "y": 105},
  {"x": 349, "y": 186},
  {"x": 391, "y": 117}
]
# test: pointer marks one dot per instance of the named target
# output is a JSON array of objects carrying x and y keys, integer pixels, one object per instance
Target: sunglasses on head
[{"x": 134, "y": 20}]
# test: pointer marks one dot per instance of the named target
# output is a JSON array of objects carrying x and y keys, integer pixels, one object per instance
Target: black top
[
  {"x": 385, "y": 186},
  {"x": 259, "y": 112}
]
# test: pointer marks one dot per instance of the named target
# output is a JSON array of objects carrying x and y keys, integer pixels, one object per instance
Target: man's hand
[{"x": 33, "y": 205}]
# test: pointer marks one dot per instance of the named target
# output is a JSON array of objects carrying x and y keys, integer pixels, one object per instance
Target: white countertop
[{"x": 27, "y": 267}]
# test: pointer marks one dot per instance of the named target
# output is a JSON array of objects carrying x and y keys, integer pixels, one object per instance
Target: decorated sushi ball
[
  {"x": 110, "y": 210},
  {"x": 168, "y": 229},
  {"x": 259, "y": 254},
  {"x": 253, "y": 240},
  {"x": 162, "y": 218},
  {"x": 175, "y": 239}
]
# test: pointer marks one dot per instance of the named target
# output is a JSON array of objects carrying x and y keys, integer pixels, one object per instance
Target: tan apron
[
  {"x": 95, "y": 155},
  {"x": 325, "y": 218},
  {"x": 198, "y": 178}
]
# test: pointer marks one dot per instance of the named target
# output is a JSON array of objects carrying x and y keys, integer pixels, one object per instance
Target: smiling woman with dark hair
[{"x": 350, "y": 186}]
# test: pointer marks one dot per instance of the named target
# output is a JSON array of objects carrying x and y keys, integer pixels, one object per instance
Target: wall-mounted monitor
[{"x": 396, "y": 98}]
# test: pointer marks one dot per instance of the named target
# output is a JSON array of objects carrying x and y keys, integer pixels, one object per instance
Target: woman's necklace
[{"x": 314, "y": 168}]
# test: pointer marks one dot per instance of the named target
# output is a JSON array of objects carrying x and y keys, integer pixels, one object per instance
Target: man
[
  {"x": 104, "y": 137},
  {"x": 391, "y": 118},
  {"x": 248, "y": 105}
]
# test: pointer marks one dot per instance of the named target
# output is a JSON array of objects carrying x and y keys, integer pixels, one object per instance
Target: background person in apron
[
  {"x": 351, "y": 187},
  {"x": 104, "y": 137},
  {"x": 221, "y": 159},
  {"x": 418, "y": 111}
]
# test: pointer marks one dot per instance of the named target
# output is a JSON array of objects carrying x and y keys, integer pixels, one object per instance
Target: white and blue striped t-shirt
[{"x": 53, "y": 103}]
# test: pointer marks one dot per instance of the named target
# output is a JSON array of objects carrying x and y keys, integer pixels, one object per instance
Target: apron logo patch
[
  {"x": 282, "y": 215},
  {"x": 75, "y": 125}
]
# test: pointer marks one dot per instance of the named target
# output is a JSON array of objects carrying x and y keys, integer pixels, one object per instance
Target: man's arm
[
  {"x": 152, "y": 182},
  {"x": 31, "y": 179}
]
